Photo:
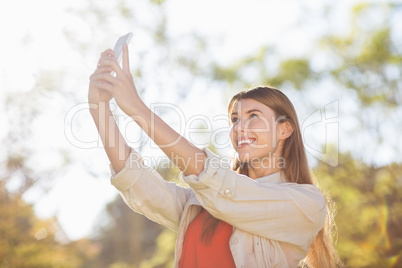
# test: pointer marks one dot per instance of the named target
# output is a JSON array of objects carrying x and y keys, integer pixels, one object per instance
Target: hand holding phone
[{"x": 118, "y": 47}]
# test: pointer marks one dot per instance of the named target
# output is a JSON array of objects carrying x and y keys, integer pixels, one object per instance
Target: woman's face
[{"x": 254, "y": 133}]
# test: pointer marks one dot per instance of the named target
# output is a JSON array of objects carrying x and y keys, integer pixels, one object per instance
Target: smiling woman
[
  {"x": 270, "y": 120},
  {"x": 254, "y": 215},
  {"x": 258, "y": 137}
]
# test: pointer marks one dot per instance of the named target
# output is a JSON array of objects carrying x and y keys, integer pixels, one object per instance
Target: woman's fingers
[
  {"x": 99, "y": 71},
  {"x": 108, "y": 59},
  {"x": 126, "y": 62},
  {"x": 119, "y": 85},
  {"x": 105, "y": 55},
  {"x": 105, "y": 77},
  {"x": 103, "y": 69},
  {"x": 102, "y": 85},
  {"x": 108, "y": 52},
  {"x": 111, "y": 62}
]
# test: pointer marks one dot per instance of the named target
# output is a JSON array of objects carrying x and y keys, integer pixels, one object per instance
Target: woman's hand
[
  {"x": 96, "y": 95},
  {"x": 104, "y": 86}
]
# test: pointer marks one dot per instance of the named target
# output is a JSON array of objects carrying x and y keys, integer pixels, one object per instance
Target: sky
[{"x": 36, "y": 43}]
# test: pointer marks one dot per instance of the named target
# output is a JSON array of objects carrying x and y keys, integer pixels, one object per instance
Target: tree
[
  {"x": 369, "y": 219},
  {"x": 127, "y": 237},
  {"x": 26, "y": 241}
]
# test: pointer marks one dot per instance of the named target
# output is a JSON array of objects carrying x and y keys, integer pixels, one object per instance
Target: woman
[{"x": 266, "y": 212}]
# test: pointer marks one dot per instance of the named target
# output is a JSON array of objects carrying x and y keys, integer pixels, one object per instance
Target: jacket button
[{"x": 227, "y": 192}]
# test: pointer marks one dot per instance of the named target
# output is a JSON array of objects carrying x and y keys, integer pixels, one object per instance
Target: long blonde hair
[{"x": 322, "y": 253}]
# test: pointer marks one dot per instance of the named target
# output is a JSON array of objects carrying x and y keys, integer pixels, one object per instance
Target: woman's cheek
[{"x": 232, "y": 137}]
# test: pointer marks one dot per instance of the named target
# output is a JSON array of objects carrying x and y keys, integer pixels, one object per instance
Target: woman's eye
[
  {"x": 253, "y": 116},
  {"x": 234, "y": 119}
]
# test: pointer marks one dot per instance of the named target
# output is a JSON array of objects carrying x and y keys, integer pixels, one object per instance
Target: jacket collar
[{"x": 278, "y": 177}]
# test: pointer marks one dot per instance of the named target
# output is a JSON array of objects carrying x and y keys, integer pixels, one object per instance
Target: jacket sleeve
[
  {"x": 146, "y": 192},
  {"x": 287, "y": 212}
]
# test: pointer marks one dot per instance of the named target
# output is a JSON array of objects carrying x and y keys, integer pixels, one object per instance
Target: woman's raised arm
[
  {"x": 182, "y": 152},
  {"x": 115, "y": 145}
]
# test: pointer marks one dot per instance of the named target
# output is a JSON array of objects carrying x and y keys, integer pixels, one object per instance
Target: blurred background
[{"x": 339, "y": 62}]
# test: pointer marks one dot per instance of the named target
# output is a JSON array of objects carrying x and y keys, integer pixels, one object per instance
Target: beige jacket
[{"x": 274, "y": 222}]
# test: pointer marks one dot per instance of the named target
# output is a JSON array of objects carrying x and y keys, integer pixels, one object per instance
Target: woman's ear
[{"x": 285, "y": 130}]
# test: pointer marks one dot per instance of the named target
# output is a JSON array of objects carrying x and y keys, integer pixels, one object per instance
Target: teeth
[{"x": 240, "y": 142}]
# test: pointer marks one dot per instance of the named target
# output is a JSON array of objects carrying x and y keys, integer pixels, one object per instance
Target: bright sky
[{"x": 34, "y": 41}]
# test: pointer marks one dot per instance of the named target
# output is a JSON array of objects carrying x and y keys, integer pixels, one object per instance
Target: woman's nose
[{"x": 241, "y": 126}]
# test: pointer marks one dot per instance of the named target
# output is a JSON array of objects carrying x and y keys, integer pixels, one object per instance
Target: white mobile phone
[{"x": 118, "y": 48}]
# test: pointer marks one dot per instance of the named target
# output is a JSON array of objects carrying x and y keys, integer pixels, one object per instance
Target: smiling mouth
[{"x": 244, "y": 141}]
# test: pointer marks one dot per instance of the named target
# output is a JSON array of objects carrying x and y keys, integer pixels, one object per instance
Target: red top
[{"x": 196, "y": 254}]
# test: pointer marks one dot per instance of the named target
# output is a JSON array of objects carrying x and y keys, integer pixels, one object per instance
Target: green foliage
[
  {"x": 127, "y": 239},
  {"x": 27, "y": 241},
  {"x": 157, "y": 2},
  {"x": 164, "y": 254},
  {"x": 366, "y": 68},
  {"x": 368, "y": 201},
  {"x": 368, "y": 56},
  {"x": 296, "y": 71},
  {"x": 364, "y": 60}
]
